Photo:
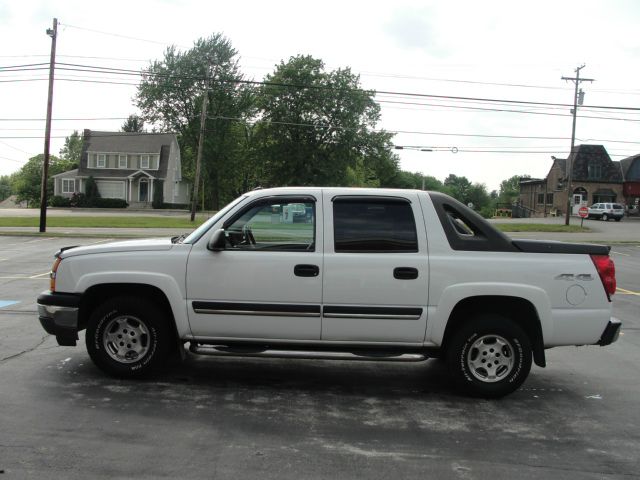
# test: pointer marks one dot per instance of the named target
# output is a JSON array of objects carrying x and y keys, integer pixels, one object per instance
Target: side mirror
[{"x": 217, "y": 241}]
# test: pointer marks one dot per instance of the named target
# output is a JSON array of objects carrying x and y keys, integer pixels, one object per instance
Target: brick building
[{"x": 595, "y": 178}]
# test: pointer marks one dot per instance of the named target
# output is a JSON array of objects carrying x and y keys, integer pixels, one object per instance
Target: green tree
[
  {"x": 510, "y": 189},
  {"x": 6, "y": 186},
  {"x": 170, "y": 95},
  {"x": 72, "y": 150},
  {"x": 27, "y": 181},
  {"x": 466, "y": 192},
  {"x": 134, "y": 123},
  {"x": 317, "y": 126}
]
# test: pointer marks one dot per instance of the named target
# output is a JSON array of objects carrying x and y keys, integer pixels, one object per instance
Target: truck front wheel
[
  {"x": 128, "y": 337},
  {"x": 489, "y": 356}
]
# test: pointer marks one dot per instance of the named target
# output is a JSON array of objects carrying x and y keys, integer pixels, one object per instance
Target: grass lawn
[
  {"x": 103, "y": 222},
  {"x": 540, "y": 227}
]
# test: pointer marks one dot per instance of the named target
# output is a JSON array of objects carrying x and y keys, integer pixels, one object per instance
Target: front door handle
[
  {"x": 405, "y": 273},
  {"x": 306, "y": 270}
]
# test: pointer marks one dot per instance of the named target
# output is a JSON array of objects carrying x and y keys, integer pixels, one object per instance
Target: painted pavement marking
[
  {"x": 6, "y": 303},
  {"x": 626, "y": 292}
]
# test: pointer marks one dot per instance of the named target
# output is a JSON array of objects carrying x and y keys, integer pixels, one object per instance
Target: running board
[{"x": 368, "y": 356}]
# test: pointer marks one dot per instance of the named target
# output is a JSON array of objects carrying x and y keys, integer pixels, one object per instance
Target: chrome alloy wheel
[
  {"x": 126, "y": 339},
  {"x": 490, "y": 358}
]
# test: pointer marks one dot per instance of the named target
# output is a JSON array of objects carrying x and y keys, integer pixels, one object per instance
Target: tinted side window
[{"x": 373, "y": 225}]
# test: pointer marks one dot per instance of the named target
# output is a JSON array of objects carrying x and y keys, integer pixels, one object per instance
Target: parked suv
[{"x": 605, "y": 211}]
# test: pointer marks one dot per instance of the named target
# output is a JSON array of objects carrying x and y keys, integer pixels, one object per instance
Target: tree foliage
[
  {"x": 134, "y": 123},
  {"x": 72, "y": 150},
  {"x": 170, "y": 96},
  {"x": 510, "y": 189},
  {"x": 27, "y": 181},
  {"x": 466, "y": 192},
  {"x": 303, "y": 125},
  {"x": 316, "y": 128}
]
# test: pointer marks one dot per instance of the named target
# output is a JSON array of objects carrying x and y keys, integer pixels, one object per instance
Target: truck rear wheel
[
  {"x": 128, "y": 337},
  {"x": 489, "y": 356}
]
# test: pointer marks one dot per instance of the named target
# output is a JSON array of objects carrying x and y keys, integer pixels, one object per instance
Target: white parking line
[
  {"x": 624, "y": 291},
  {"x": 620, "y": 253},
  {"x": 23, "y": 278},
  {"x": 40, "y": 275}
]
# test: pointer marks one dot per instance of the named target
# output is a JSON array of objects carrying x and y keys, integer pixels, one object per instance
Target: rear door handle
[
  {"x": 405, "y": 273},
  {"x": 306, "y": 270}
]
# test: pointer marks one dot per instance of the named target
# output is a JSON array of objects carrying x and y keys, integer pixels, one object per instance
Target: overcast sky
[{"x": 494, "y": 50}]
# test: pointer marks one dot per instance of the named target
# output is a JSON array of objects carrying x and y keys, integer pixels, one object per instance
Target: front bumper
[
  {"x": 58, "y": 314},
  {"x": 611, "y": 333}
]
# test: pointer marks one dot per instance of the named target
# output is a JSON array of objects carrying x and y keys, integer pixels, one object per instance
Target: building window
[
  {"x": 549, "y": 198},
  {"x": 540, "y": 199},
  {"x": 144, "y": 161},
  {"x": 101, "y": 160},
  {"x": 594, "y": 170},
  {"x": 122, "y": 161},
  {"x": 68, "y": 185}
]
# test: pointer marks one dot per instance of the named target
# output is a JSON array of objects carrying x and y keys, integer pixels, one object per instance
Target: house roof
[
  {"x": 68, "y": 173},
  {"x": 630, "y": 167},
  {"x": 127, "y": 142},
  {"x": 584, "y": 155},
  {"x": 526, "y": 181}
]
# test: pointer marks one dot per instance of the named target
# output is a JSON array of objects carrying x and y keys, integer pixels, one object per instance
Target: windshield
[{"x": 202, "y": 229}]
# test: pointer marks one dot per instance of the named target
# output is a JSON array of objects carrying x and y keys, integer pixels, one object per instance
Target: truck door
[
  {"x": 267, "y": 282},
  {"x": 375, "y": 283}
]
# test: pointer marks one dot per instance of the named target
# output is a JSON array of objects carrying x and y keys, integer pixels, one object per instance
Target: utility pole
[
  {"x": 203, "y": 121},
  {"x": 53, "y": 33},
  {"x": 577, "y": 81}
]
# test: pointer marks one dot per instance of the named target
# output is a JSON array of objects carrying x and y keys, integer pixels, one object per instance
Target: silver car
[{"x": 605, "y": 211}]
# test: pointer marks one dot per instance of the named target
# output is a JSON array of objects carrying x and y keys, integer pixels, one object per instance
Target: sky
[{"x": 493, "y": 50}]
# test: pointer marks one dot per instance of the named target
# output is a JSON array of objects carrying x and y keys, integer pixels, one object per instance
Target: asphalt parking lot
[{"x": 290, "y": 419}]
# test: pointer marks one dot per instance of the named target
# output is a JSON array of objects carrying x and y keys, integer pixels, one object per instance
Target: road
[{"x": 290, "y": 419}]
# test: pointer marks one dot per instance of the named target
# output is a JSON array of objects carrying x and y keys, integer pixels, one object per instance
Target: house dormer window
[
  {"x": 122, "y": 161},
  {"x": 594, "y": 170},
  {"x": 144, "y": 161},
  {"x": 101, "y": 160}
]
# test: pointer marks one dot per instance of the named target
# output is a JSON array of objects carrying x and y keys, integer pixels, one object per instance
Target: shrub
[
  {"x": 91, "y": 189},
  {"x": 58, "y": 201},
  {"x": 79, "y": 200},
  {"x": 110, "y": 203},
  {"x": 158, "y": 197}
]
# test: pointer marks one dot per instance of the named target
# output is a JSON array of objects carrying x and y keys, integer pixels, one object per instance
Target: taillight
[
  {"x": 52, "y": 276},
  {"x": 607, "y": 271}
]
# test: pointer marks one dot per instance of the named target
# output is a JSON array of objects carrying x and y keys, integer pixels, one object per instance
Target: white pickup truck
[{"x": 361, "y": 274}]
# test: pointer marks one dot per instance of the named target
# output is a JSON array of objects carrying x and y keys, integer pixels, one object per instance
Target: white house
[{"x": 128, "y": 165}]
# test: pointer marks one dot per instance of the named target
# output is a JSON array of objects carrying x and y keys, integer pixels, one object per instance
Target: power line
[
  {"x": 122, "y": 71},
  {"x": 111, "y": 34},
  {"x": 60, "y": 119},
  {"x": 12, "y": 159},
  {"x": 10, "y": 67}
]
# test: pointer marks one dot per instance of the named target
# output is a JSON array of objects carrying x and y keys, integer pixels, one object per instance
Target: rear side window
[
  {"x": 374, "y": 225},
  {"x": 617, "y": 206}
]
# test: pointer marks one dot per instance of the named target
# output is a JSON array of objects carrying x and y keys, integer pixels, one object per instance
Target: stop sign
[{"x": 583, "y": 212}]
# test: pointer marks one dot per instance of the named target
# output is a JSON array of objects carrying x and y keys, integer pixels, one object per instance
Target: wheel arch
[
  {"x": 520, "y": 310},
  {"x": 100, "y": 293}
]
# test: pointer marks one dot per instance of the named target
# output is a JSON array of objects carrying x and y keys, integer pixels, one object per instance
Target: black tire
[
  {"x": 617, "y": 219},
  {"x": 143, "y": 329},
  {"x": 605, "y": 217},
  {"x": 475, "y": 342}
]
